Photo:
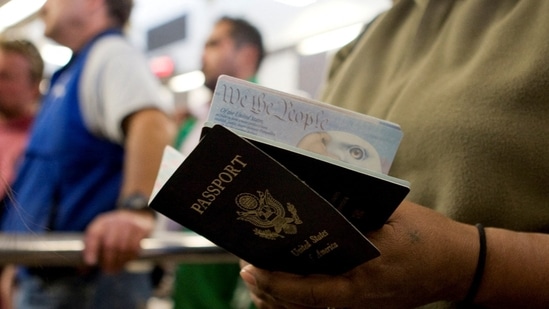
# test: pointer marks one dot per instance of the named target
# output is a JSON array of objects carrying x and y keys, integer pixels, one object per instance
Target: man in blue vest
[{"x": 92, "y": 161}]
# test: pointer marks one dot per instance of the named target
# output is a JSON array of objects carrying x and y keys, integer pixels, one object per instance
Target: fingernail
[{"x": 248, "y": 276}]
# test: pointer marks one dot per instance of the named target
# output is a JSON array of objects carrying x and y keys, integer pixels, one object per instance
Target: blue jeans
[{"x": 98, "y": 291}]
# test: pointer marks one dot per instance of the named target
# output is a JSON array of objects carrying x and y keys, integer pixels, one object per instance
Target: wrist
[
  {"x": 479, "y": 272},
  {"x": 456, "y": 272},
  {"x": 136, "y": 202}
]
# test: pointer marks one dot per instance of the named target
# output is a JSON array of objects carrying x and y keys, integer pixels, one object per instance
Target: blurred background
[{"x": 299, "y": 35}]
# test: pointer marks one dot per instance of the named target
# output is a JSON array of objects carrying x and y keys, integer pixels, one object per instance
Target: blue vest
[{"x": 69, "y": 175}]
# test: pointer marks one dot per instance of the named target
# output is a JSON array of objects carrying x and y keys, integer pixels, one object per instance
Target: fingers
[
  {"x": 118, "y": 247},
  {"x": 113, "y": 239},
  {"x": 261, "y": 297},
  {"x": 92, "y": 244},
  {"x": 295, "y": 291}
]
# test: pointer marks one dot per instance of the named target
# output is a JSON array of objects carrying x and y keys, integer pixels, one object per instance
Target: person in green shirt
[{"x": 235, "y": 48}]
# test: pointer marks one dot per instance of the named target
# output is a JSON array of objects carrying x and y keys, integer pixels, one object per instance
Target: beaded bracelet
[{"x": 473, "y": 289}]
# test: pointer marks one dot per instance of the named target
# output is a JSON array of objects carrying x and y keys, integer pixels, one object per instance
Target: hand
[
  {"x": 112, "y": 239},
  {"x": 425, "y": 257}
]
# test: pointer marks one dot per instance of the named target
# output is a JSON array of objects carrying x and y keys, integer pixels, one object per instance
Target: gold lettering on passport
[
  {"x": 267, "y": 214},
  {"x": 301, "y": 248},
  {"x": 329, "y": 248},
  {"x": 318, "y": 237},
  {"x": 216, "y": 186}
]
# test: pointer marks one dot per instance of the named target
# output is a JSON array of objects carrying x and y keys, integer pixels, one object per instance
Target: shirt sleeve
[{"x": 117, "y": 82}]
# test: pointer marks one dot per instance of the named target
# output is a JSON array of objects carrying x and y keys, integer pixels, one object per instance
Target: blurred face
[
  {"x": 17, "y": 90},
  {"x": 61, "y": 16},
  {"x": 343, "y": 146},
  {"x": 219, "y": 54}
]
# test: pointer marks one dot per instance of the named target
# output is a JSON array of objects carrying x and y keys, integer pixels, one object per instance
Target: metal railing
[{"x": 65, "y": 249}]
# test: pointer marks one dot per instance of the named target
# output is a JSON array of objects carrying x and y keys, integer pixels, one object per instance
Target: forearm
[
  {"x": 113, "y": 238},
  {"x": 516, "y": 266},
  {"x": 517, "y": 269},
  {"x": 148, "y": 132},
  {"x": 425, "y": 257}
]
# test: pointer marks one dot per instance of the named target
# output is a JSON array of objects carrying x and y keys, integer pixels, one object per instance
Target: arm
[
  {"x": 426, "y": 257},
  {"x": 148, "y": 132},
  {"x": 517, "y": 270},
  {"x": 113, "y": 239}
]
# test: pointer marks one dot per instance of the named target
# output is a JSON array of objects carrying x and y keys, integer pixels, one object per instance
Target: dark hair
[
  {"x": 242, "y": 32},
  {"x": 30, "y": 52},
  {"x": 120, "y": 10}
]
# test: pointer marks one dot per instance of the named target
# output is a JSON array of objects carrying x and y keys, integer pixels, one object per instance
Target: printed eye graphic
[
  {"x": 358, "y": 153},
  {"x": 343, "y": 146}
]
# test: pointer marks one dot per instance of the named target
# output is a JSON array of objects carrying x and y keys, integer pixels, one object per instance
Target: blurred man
[
  {"x": 92, "y": 160},
  {"x": 235, "y": 48},
  {"x": 21, "y": 70}
]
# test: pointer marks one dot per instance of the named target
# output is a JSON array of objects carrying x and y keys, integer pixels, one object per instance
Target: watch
[{"x": 136, "y": 201}]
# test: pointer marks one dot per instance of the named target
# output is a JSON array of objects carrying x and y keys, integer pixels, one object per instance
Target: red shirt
[{"x": 13, "y": 140}]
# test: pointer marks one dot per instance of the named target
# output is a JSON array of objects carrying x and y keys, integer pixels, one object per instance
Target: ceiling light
[
  {"x": 56, "y": 54},
  {"x": 187, "y": 81},
  {"x": 298, "y": 3},
  {"x": 15, "y": 11},
  {"x": 329, "y": 40}
]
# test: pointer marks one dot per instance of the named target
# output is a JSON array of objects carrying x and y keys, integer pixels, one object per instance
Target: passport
[
  {"x": 242, "y": 199},
  {"x": 366, "y": 198},
  {"x": 342, "y": 155},
  {"x": 280, "y": 117}
]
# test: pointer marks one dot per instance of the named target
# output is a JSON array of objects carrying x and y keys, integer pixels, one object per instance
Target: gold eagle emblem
[{"x": 267, "y": 214}]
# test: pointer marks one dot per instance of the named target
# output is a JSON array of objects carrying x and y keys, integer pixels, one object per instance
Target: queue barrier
[{"x": 65, "y": 249}]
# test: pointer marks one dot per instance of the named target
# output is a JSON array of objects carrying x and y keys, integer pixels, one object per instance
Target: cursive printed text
[{"x": 282, "y": 109}]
